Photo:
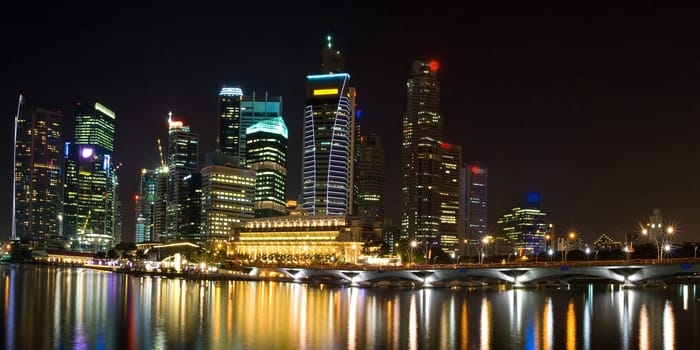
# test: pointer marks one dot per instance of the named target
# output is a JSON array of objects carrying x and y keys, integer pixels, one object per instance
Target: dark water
[{"x": 74, "y": 308}]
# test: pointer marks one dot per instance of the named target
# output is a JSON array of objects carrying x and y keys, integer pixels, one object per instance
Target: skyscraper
[
  {"x": 477, "y": 202},
  {"x": 254, "y": 109},
  {"x": 183, "y": 148},
  {"x": 38, "y": 172},
  {"x": 145, "y": 200},
  {"x": 451, "y": 217},
  {"x": 228, "y": 126},
  {"x": 370, "y": 198},
  {"x": 327, "y": 148},
  {"x": 266, "y": 145},
  {"x": 90, "y": 203},
  {"x": 420, "y": 155}
]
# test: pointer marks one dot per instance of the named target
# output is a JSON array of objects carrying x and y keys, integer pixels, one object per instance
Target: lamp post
[
  {"x": 572, "y": 235},
  {"x": 695, "y": 256},
  {"x": 550, "y": 252},
  {"x": 588, "y": 253},
  {"x": 414, "y": 244},
  {"x": 485, "y": 241}
]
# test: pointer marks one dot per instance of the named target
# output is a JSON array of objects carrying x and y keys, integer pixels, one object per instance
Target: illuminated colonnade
[{"x": 298, "y": 238}]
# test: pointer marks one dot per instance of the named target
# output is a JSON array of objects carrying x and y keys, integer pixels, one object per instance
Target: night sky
[{"x": 594, "y": 106}]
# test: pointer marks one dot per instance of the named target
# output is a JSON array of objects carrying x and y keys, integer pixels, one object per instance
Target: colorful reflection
[{"x": 85, "y": 309}]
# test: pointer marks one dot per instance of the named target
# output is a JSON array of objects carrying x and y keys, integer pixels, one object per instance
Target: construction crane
[
  {"x": 87, "y": 218},
  {"x": 160, "y": 152}
]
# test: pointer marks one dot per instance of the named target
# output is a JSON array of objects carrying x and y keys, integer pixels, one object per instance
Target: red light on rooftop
[
  {"x": 434, "y": 65},
  {"x": 136, "y": 198},
  {"x": 445, "y": 145},
  {"x": 475, "y": 169}
]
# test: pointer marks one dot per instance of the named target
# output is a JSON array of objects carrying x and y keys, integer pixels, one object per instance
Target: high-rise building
[
  {"x": 476, "y": 180},
  {"x": 145, "y": 201},
  {"x": 183, "y": 148},
  {"x": 38, "y": 172},
  {"x": 254, "y": 109},
  {"x": 524, "y": 227},
  {"x": 421, "y": 156},
  {"x": 227, "y": 199},
  {"x": 90, "y": 181},
  {"x": 266, "y": 146},
  {"x": 190, "y": 224},
  {"x": 228, "y": 126},
  {"x": 327, "y": 149},
  {"x": 451, "y": 198},
  {"x": 160, "y": 205},
  {"x": 370, "y": 198}
]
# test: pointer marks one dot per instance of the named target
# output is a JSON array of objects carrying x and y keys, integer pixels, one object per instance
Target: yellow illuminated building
[{"x": 298, "y": 239}]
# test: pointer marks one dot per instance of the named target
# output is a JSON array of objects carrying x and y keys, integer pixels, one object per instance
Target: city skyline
[{"x": 595, "y": 114}]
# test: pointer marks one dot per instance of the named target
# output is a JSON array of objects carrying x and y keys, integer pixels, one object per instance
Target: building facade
[
  {"x": 145, "y": 200},
  {"x": 526, "y": 229},
  {"x": 327, "y": 145},
  {"x": 420, "y": 155},
  {"x": 476, "y": 181},
  {"x": 370, "y": 184},
  {"x": 451, "y": 197},
  {"x": 229, "y": 120},
  {"x": 90, "y": 181},
  {"x": 298, "y": 239},
  {"x": 38, "y": 173},
  {"x": 266, "y": 147},
  {"x": 227, "y": 199},
  {"x": 183, "y": 149}
]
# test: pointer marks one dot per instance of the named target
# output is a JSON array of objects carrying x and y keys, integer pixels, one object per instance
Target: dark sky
[{"x": 595, "y": 105}]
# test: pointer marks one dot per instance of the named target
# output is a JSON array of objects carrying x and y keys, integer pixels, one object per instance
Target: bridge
[{"x": 627, "y": 273}]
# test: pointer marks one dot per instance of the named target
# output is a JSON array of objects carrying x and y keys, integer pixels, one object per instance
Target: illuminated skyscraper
[
  {"x": 145, "y": 201},
  {"x": 254, "y": 109},
  {"x": 451, "y": 199},
  {"x": 327, "y": 149},
  {"x": 420, "y": 155},
  {"x": 228, "y": 127},
  {"x": 183, "y": 148},
  {"x": 266, "y": 146},
  {"x": 38, "y": 172},
  {"x": 90, "y": 182},
  {"x": 477, "y": 202}
]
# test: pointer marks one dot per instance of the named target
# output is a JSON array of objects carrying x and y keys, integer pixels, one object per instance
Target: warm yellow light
[
  {"x": 644, "y": 231},
  {"x": 669, "y": 230},
  {"x": 414, "y": 244},
  {"x": 322, "y": 92},
  {"x": 572, "y": 235}
]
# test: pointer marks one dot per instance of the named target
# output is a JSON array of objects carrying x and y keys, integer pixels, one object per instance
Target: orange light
[{"x": 434, "y": 65}]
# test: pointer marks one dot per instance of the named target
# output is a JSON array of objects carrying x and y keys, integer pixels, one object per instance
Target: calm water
[{"x": 73, "y": 308}]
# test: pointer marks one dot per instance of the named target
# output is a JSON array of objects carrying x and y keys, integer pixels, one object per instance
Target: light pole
[
  {"x": 572, "y": 235},
  {"x": 414, "y": 244},
  {"x": 550, "y": 252},
  {"x": 588, "y": 253},
  {"x": 695, "y": 256}
]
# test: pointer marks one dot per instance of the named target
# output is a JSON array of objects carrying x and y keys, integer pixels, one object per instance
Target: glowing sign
[
  {"x": 175, "y": 124},
  {"x": 86, "y": 152},
  {"x": 231, "y": 91},
  {"x": 321, "y": 92}
]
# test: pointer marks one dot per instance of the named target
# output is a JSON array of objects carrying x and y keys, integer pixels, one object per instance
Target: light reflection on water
[{"x": 45, "y": 307}]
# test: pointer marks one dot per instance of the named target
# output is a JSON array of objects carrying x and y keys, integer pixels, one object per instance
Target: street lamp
[
  {"x": 550, "y": 252},
  {"x": 588, "y": 252},
  {"x": 414, "y": 244},
  {"x": 485, "y": 241},
  {"x": 572, "y": 235}
]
